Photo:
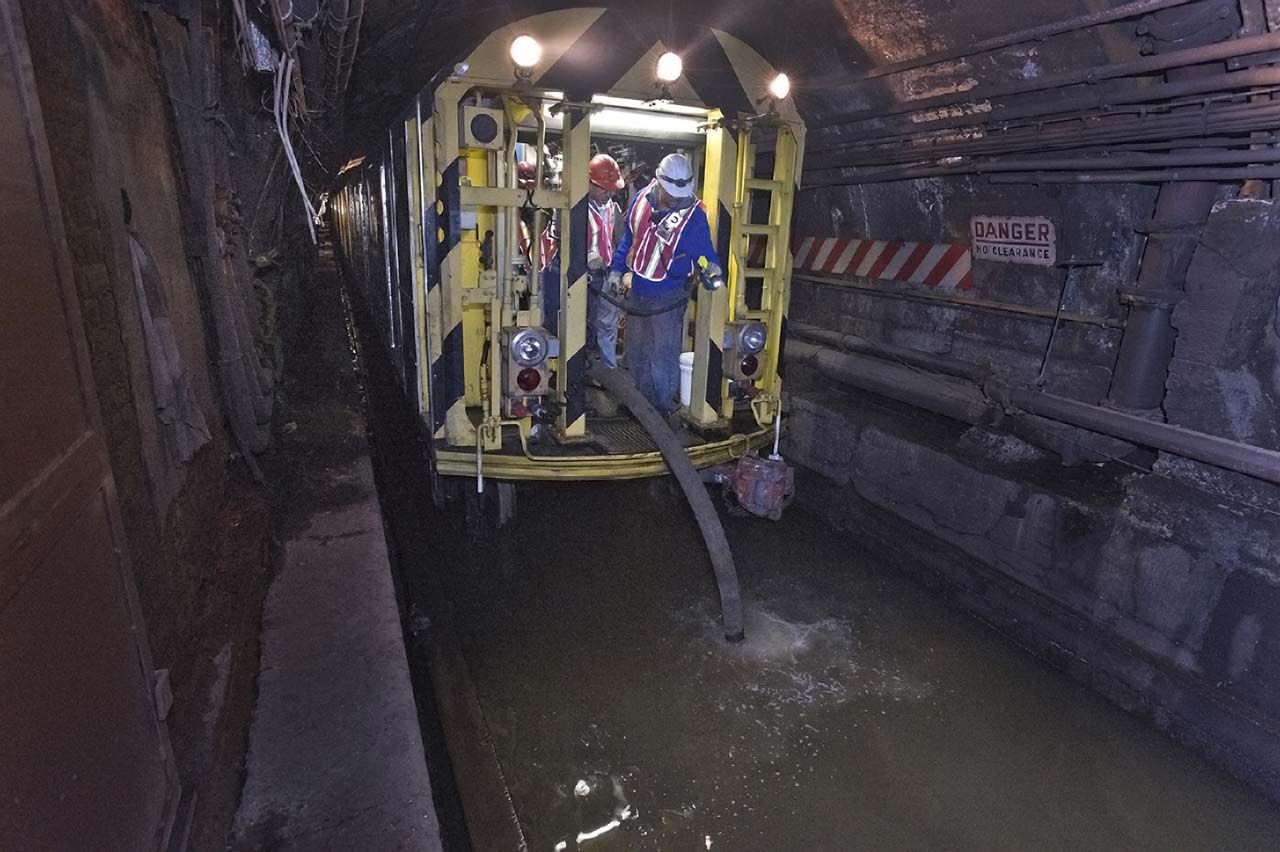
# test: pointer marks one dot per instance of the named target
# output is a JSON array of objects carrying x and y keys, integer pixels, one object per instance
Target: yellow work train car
[{"x": 441, "y": 227}]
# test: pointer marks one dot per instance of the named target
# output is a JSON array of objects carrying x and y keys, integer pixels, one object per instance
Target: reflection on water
[{"x": 862, "y": 712}]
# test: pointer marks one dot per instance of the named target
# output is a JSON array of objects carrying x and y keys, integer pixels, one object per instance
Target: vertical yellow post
[
  {"x": 709, "y": 396},
  {"x": 573, "y": 276}
]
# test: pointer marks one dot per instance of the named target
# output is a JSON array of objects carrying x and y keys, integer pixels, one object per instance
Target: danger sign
[{"x": 1014, "y": 239}]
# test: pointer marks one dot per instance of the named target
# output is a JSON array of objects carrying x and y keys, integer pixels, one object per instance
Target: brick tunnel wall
[
  {"x": 108, "y": 124},
  {"x": 1161, "y": 588}
]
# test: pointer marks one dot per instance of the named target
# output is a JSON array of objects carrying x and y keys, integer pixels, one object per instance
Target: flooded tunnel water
[{"x": 863, "y": 711}]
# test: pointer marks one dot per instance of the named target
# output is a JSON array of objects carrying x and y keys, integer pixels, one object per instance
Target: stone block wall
[
  {"x": 108, "y": 122},
  {"x": 1157, "y": 580},
  {"x": 1159, "y": 589},
  {"x": 1099, "y": 225}
]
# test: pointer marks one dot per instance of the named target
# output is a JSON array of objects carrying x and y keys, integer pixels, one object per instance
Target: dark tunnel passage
[{"x": 324, "y": 523}]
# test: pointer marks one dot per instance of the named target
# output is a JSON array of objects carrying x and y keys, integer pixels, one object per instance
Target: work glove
[{"x": 594, "y": 261}]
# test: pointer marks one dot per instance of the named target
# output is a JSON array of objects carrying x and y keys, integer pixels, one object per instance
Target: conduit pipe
[
  {"x": 1075, "y": 132},
  {"x": 1170, "y": 176},
  {"x": 968, "y": 404},
  {"x": 964, "y": 303},
  {"x": 976, "y": 373},
  {"x": 963, "y": 402},
  {"x": 1188, "y": 57},
  {"x": 620, "y": 384},
  {"x": 1131, "y": 164},
  {"x": 1040, "y": 33},
  {"x": 1093, "y": 99},
  {"x": 1183, "y": 205}
]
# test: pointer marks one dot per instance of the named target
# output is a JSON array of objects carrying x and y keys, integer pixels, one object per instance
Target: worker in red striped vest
[
  {"x": 549, "y": 252},
  {"x": 602, "y": 219},
  {"x": 526, "y": 174},
  {"x": 666, "y": 237}
]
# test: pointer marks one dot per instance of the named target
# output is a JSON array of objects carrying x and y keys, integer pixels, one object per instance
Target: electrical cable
[{"x": 284, "y": 70}]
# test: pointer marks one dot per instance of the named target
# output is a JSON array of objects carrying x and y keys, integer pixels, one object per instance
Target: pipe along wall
[
  {"x": 1150, "y": 581},
  {"x": 989, "y": 398}
]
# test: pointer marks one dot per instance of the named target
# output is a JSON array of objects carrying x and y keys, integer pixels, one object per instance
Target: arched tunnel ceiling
[{"x": 824, "y": 44}]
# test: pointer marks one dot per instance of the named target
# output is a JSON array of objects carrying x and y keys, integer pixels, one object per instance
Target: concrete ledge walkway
[{"x": 335, "y": 758}]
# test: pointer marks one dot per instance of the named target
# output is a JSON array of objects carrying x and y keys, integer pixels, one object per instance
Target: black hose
[
  {"x": 624, "y": 390},
  {"x": 681, "y": 302}
]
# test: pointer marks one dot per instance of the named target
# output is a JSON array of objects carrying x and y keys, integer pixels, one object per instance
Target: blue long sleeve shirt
[{"x": 695, "y": 242}]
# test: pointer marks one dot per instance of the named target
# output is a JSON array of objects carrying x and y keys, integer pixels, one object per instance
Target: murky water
[{"x": 863, "y": 712}]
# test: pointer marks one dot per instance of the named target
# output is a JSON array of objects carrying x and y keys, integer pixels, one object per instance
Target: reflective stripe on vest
[
  {"x": 653, "y": 244},
  {"x": 524, "y": 241},
  {"x": 550, "y": 247},
  {"x": 600, "y": 221}
]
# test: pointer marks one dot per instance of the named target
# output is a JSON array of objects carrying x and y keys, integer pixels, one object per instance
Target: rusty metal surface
[{"x": 84, "y": 762}]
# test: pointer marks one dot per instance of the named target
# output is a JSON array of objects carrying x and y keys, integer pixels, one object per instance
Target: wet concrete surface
[
  {"x": 863, "y": 712},
  {"x": 335, "y": 758}
]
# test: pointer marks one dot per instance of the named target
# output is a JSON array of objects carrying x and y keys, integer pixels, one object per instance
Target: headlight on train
[
  {"x": 529, "y": 347},
  {"x": 526, "y": 51},
  {"x": 744, "y": 340},
  {"x": 751, "y": 337}
]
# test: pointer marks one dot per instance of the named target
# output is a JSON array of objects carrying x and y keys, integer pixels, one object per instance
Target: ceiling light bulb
[
  {"x": 780, "y": 87},
  {"x": 526, "y": 52},
  {"x": 670, "y": 67}
]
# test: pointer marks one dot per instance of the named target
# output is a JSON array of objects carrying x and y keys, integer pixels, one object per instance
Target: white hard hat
[{"x": 676, "y": 175}]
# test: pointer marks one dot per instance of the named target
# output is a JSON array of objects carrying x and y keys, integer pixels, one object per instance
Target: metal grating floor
[{"x": 619, "y": 435}]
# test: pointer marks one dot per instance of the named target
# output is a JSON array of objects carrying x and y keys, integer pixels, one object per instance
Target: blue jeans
[
  {"x": 654, "y": 344},
  {"x": 550, "y": 282},
  {"x": 602, "y": 319}
]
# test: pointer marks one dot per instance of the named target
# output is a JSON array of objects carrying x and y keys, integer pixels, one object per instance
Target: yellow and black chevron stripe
[
  {"x": 448, "y": 370},
  {"x": 573, "y": 272},
  {"x": 714, "y": 309}
]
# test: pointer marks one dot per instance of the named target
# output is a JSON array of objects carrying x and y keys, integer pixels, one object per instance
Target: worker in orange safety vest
[
  {"x": 603, "y": 311},
  {"x": 666, "y": 239}
]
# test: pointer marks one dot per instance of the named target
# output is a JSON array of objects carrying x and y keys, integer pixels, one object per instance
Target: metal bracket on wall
[{"x": 1071, "y": 265}]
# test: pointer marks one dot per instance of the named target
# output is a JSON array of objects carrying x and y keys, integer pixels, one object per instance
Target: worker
[
  {"x": 666, "y": 237},
  {"x": 602, "y": 219},
  {"x": 549, "y": 252},
  {"x": 526, "y": 174}
]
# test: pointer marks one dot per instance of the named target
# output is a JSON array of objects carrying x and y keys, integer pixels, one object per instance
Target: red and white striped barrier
[
  {"x": 946, "y": 266},
  {"x": 943, "y": 265}
]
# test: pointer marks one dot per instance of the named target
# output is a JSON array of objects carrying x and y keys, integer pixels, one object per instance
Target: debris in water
[
  {"x": 581, "y": 789},
  {"x": 604, "y": 829}
]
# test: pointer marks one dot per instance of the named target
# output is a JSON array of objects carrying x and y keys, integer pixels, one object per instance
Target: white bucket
[{"x": 686, "y": 378}]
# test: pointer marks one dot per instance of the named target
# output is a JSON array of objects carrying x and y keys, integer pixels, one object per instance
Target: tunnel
[{"x": 639, "y": 426}]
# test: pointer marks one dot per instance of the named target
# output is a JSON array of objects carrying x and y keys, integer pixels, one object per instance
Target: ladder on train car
[{"x": 737, "y": 193}]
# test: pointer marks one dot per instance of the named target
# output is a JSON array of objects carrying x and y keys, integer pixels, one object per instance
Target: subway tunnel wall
[
  {"x": 179, "y": 245},
  {"x": 109, "y": 122},
  {"x": 1151, "y": 576}
]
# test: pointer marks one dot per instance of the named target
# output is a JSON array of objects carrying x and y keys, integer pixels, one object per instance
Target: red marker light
[
  {"x": 528, "y": 379},
  {"x": 749, "y": 365}
]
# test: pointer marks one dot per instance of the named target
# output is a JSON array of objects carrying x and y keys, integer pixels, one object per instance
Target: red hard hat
[
  {"x": 605, "y": 173},
  {"x": 526, "y": 173}
]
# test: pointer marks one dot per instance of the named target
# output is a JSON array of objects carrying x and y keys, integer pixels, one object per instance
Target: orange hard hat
[
  {"x": 526, "y": 173},
  {"x": 604, "y": 172}
]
